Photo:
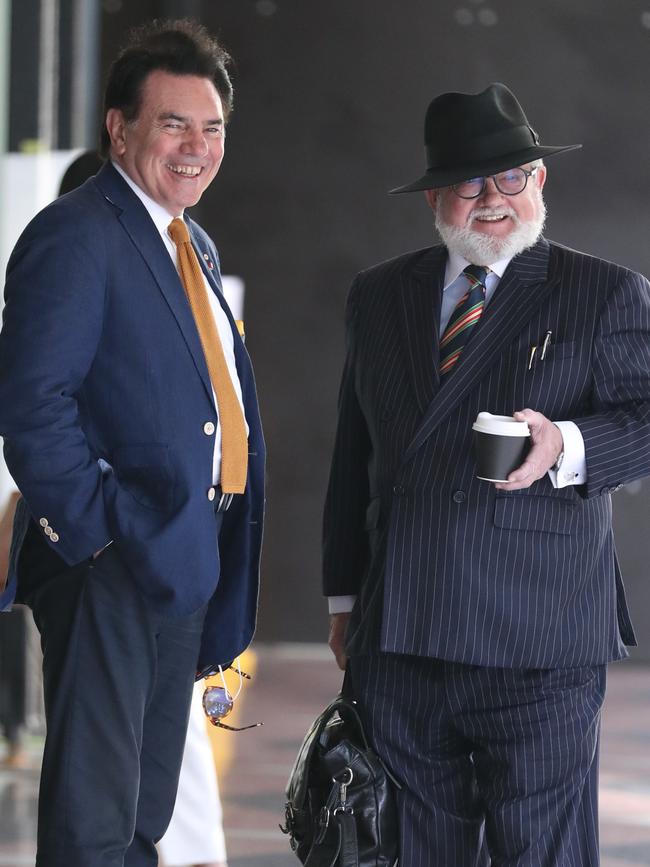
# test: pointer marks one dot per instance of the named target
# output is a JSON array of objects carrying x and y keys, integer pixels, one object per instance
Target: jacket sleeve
[
  {"x": 52, "y": 323},
  {"x": 345, "y": 548},
  {"x": 617, "y": 432}
]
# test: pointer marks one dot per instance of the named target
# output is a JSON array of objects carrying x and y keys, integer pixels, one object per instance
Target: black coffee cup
[{"x": 500, "y": 445}]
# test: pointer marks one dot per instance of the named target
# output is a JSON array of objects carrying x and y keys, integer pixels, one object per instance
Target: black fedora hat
[{"x": 467, "y": 135}]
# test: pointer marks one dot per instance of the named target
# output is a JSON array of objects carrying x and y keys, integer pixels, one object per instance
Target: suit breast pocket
[
  {"x": 556, "y": 357},
  {"x": 555, "y": 380},
  {"x": 145, "y": 471}
]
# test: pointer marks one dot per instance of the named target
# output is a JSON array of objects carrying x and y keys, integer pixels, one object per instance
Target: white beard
[{"x": 481, "y": 249}]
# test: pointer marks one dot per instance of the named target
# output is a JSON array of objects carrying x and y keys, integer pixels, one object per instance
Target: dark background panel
[{"x": 330, "y": 100}]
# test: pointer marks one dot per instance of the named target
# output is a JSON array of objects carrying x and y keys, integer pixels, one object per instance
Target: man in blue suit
[
  {"x": 478, "y": 618},
  {"x": 131, "y": 426}
]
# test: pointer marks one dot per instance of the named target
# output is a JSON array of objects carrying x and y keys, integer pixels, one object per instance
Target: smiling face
[
  {"x": 174, "y": 147},
  {"x": 493, "y": 226}
]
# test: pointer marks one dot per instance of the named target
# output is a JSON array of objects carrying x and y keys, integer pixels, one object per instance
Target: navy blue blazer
[
  {"x": 104, "y": 394},
  {"x": 445, "y": 565}
]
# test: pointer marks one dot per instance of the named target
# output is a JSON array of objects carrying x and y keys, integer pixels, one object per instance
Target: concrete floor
[{"x": 291, "y": 685}]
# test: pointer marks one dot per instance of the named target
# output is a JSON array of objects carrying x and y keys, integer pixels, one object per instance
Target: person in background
[
  {"x": 478, "y": 617},
  {"x": 195, "y": 836},
  {"x": 13, "y": 640},
  {"x": 131, "y": 427},
  {"x": 82, "y": 167}
]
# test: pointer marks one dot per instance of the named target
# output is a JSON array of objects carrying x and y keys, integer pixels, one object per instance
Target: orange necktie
[{"x": 234, "y": 442}]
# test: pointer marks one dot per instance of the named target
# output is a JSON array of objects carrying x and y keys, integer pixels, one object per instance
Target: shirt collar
[
  {"x": 456, "y": 265},
  {"x": 158, "y": 214}
]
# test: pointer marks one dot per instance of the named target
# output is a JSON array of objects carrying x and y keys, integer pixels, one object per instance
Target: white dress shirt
[
  {"x": 573, "y": 470},
  {"x": 161, "y": 220}
]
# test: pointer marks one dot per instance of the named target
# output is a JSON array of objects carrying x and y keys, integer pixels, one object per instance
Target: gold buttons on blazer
[{"x": 209, "y": 428}]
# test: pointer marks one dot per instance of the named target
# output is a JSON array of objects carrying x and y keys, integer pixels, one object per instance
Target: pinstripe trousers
[{"x": 499, "y": 766}]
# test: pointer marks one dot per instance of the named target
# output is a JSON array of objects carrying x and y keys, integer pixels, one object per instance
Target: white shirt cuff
[
  {"x": 573, "y": 469},
  {"x": 340, "y": 604}
]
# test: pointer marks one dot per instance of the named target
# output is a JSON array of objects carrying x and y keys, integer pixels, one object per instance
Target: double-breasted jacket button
[
  {"x": 211, "y": 494},
  {"x": 209, "y": 428},
  {"x": 459, "y": 496},
  {"x": 43, "y": 522},
  {"x": 48, "y": 531},
  {"x": 54, "y": 537},
  {"x": 399, "y": 490}
]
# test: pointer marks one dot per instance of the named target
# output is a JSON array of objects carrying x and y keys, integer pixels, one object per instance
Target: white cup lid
[{"x": 500, "y": 425}]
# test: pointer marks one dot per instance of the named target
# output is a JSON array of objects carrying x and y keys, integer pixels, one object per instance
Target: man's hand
[
  {"x": 336, "y": 641},
  {"x": 547, "y": 444}
]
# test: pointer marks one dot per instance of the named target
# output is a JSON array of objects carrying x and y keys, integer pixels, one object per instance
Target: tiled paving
[{"x": 291, "y": 685}]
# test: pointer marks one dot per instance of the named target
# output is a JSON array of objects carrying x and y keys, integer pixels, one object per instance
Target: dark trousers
[
  {"x": 117, "y": 682},
  {"x": 499, "y": 766}
]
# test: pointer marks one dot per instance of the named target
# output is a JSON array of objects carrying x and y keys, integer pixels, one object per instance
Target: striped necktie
[
  {"x": 234, "y": 441},
  {"x": 463, "y": 320}
]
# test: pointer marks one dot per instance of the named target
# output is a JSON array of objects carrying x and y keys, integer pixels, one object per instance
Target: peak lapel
[
  {"x": 420, "y": 297},
  {"x": 522, "y": 289}
]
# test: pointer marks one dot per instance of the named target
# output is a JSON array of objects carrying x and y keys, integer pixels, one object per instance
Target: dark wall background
[{"x": 330, "y": 100}]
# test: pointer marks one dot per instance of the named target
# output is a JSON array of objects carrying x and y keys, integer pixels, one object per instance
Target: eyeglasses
[
  {"x": 218, "y": 701},
  {"x": 509, "y": 183}
]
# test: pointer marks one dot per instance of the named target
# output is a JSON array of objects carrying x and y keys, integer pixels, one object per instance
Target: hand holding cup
[{"x": 500, "y": 444}]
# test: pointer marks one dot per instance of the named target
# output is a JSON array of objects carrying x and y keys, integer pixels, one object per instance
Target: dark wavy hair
[{"x": 182, "y": 47}]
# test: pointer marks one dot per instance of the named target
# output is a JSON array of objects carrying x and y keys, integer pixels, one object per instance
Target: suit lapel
[
  {"x": 523, "y": 288},
  {"x": 420, "y": 297},
  {"x": 138, "y": 225}
]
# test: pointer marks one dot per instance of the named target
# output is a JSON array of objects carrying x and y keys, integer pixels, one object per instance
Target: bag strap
[
  {"x": 340, "y": 847},
  {"x": 346, "y": 687},
  {"x": 297, "y": 785},
  {"x": 348, "y": 846}
]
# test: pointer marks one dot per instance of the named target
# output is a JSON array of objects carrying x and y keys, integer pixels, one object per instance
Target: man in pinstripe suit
[{"x": 479, "y": 618}]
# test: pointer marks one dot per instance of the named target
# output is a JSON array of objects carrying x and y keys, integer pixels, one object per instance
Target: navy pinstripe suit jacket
[{"x": 445, "y": 565}]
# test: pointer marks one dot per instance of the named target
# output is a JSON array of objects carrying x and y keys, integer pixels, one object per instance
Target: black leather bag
[{"x": 340, "y": 809}]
